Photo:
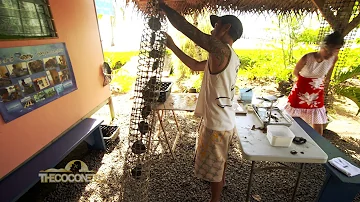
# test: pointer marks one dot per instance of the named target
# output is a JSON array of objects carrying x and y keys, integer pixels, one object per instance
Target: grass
[
  {"x": 113, "y": 57},
  {"x": 256, "y": 65}
]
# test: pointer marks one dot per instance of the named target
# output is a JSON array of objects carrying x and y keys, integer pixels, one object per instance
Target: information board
[{"x": 32, "y": 76}]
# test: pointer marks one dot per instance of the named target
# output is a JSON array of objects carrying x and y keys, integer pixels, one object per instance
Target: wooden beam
[
  {"x": 354, "y": 23},
  {"x": 345, "y": 12},
  {"x": 319, "y": 3},
  {"x": 326, "y": 13}
]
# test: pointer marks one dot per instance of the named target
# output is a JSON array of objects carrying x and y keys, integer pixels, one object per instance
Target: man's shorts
[{"x": 212, "y": 153}]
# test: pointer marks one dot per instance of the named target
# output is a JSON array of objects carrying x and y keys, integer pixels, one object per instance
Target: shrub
[
  {"x": 122, "y": 81},
  {"x": 118, "y": 59}
]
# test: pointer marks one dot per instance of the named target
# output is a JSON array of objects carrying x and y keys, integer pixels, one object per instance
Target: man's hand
[
  {"x": 219, "y": 52},
  {"x": 187, "y": 60}
]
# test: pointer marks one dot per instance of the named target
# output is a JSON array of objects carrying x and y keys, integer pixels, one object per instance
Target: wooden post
[
  {"x": 350, "y": 26},
  {"x": 340, "y": 22},
  {"x": 111, "y": 106},
  {"x": 325, "y": 12}
]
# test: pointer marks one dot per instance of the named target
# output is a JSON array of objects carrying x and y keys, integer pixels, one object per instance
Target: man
[{"x": 216, "y": 94}]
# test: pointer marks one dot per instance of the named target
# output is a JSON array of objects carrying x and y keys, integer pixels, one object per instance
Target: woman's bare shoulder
[
  {"x": 305, "y": 58},
  {"x": 310, "y": 54}
]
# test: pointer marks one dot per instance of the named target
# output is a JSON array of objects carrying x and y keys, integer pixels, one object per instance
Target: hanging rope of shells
[
  {"x": 337, "y": 8},
  {"x": 146, "y": 94}
]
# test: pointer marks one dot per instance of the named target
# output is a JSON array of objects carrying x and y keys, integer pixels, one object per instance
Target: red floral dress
[{"x": 306, "y": 99}]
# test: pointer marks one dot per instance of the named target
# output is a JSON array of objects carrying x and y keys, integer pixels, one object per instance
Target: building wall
[{"x": 76, "y": 24}]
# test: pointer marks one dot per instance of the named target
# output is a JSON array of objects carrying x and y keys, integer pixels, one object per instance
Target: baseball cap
[{"x": 236, "y": 25}]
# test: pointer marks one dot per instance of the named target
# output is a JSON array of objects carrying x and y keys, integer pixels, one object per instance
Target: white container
[{"x": 279, "y": 135}]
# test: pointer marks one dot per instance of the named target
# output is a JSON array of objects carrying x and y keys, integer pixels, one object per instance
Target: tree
[
  {"x": 287, "y": 30},
  {"x": 308, "y": 36}
]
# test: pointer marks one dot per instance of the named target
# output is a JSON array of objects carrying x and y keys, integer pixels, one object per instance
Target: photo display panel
[{"x": 32, "y": 76}]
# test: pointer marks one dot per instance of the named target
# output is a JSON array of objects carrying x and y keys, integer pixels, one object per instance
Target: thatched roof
[
  {"x": 282, "y": 6},
  {"x": 338, "y": 13}
]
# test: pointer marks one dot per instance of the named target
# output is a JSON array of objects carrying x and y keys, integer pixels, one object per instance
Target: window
[{"x": 21, "y": 19}]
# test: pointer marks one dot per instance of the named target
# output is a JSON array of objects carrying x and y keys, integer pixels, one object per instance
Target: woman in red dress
[{"x": 306, "y": 99}]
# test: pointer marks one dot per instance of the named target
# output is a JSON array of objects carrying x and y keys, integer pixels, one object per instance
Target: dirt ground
[{"x": 174, "y": 181}]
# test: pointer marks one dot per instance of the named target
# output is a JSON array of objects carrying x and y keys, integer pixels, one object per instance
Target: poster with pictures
[{"x": 32, "y": 76}]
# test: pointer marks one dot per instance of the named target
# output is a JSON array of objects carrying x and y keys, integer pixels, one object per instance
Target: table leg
[
  {"x": 160, "y": 117},
  {"x": 250, "y": 181},
  {"x": 178, "y": 135},
  {"x": 163, "y": 129},
  {"x": 177, "y": 124},
  {"x": 198, "y": 130},
  {"x": 297, "y": 181}
]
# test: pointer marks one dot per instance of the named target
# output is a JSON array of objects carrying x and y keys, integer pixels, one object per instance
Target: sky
[{"x": 130, "y": 25}]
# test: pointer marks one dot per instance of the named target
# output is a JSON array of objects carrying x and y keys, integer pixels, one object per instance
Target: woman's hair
[{"x": 334, "y": 39}]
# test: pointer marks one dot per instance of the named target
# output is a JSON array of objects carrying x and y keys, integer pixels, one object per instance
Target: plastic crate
[
  {"x": 165, "y": 91},
  {"x": 110, "y": 132},
  {"x": 246, "y": 96},
  {"x": 279, "y": 135}
]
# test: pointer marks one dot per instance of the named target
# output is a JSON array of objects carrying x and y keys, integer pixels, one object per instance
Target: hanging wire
[
  {"x": 146, "y": 94},
  {"x": 334, "y": 8},
  {"x": 349, "y": 39}
]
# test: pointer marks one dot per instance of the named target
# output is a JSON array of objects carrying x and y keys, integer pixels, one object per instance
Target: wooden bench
[
  {"x": 19, "y": 181},
  {"x": 337, "y": 186}
]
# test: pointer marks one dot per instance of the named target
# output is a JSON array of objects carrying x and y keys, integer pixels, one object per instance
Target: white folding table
[
  {"x": 176, "y": 102},
  {"x": 256, "y": 147}
]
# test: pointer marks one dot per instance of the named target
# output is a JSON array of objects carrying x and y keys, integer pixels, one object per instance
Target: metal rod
[
  {"x": 21, "y": 19},
  {"x": 165, "y": 136},
  {"x": 111, "y": 107},
  {"x": 250, "y": 181},
  {"x": 177, "y": 124},
  {"x": 178, "y": 134},
  {"x": 278, "y": 168},
  {"x": 297, "y": 181},
  {"x": 37, "y": 14}
]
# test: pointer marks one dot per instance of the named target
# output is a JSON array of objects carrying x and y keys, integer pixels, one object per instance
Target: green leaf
[
  {"x": 341, "y": 76},
  {"x": 351, "y": 92}
]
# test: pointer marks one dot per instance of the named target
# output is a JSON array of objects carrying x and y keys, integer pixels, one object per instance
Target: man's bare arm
[
  {"x": 189, "y": 30},
  {"x": 219, "y": 52},
  {"x": 299, "y": 65},
  {"x": 188, "y": 61}
]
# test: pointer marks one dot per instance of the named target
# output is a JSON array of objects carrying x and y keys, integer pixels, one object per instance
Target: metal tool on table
[{"x": 270, "y": 115}]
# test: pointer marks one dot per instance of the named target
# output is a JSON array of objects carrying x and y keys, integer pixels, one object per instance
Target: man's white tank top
[{"x": 216, "y": 96}]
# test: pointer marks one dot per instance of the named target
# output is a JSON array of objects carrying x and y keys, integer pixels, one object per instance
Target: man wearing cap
[{"x": 216, "y": 96}]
